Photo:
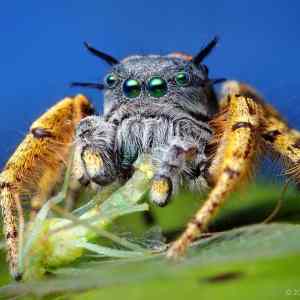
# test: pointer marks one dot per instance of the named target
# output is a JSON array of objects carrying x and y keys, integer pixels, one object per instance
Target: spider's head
[{"x": 177, "y": 80}]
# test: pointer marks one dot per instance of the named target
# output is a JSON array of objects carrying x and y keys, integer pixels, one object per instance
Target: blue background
[{"x": 41, "y": 48}]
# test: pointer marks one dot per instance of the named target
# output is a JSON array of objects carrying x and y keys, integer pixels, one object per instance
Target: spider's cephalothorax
[{"x": 152, "y": 104}]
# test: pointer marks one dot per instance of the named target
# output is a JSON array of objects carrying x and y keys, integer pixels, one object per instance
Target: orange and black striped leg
[
  {"x": 36, "y": 167},
  {"x": 11, "y": 219},
  {"x": 239, "y": 142},
  {"x": 284, "y": 142},
  {"x": 277, "y": 137}
]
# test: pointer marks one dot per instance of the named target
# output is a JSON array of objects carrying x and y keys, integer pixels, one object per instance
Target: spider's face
[
  {"x": 160, "y": 80},
  {"x": 176, "y": 81}
]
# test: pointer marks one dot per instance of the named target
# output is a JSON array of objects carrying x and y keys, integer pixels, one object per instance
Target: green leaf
[
  {"x": 251, "y": 262},
  {"x": 254, "y": 262}
]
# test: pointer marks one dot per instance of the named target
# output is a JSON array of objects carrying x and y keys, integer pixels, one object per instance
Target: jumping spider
[{"x": 162, "y": 105}]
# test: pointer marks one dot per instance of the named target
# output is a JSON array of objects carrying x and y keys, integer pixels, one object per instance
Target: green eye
[
  {"x": 131, "y": 88},
  {"x": 111, "y": 80},
  {"x": 182, "y": 78},
  {"x": 157, "y": 87}
]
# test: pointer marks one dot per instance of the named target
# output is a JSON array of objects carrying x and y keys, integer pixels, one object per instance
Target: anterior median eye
[
  {"x": 132, "y": 88},
  {"x": 182, "y": 78},
  {"x": 111, "y": 80},
  {"x": 157, "y": 87}
]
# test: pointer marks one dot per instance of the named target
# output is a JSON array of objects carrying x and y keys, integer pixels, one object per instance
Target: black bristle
[
  {"x": 204, "y": 52},
  {"x": 98, "y": 86},
  {"x": 106, "y": 57}
]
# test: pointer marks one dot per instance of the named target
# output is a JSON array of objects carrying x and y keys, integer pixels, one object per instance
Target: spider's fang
[{"x": 106, "y": 57}]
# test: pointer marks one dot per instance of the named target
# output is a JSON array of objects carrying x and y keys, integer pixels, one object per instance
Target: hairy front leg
[
  {"x": 239, "y": 143},
  {"x": 95, "y": 151}
]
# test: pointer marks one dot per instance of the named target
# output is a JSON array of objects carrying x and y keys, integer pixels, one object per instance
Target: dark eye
[
  {"x": 182, "y": 78},
  {"x": 157, "y": 87},
  {"x": 132, "y": 88},
  {"x": 111, "y": 80}
]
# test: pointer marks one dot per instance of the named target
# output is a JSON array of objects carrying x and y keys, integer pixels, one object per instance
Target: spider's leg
[
  {"x": 9, "y": 200},
  {"x": 170, "y": 166},
  {"x": 36, "y": 168},
  {"x": 95, "y": 141},
  {"x": 53, "y": 134},
  {"x": 239, "y": 142},
  {"x": 284, "y": 141},
  {"x": 277, "y": 137}
]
